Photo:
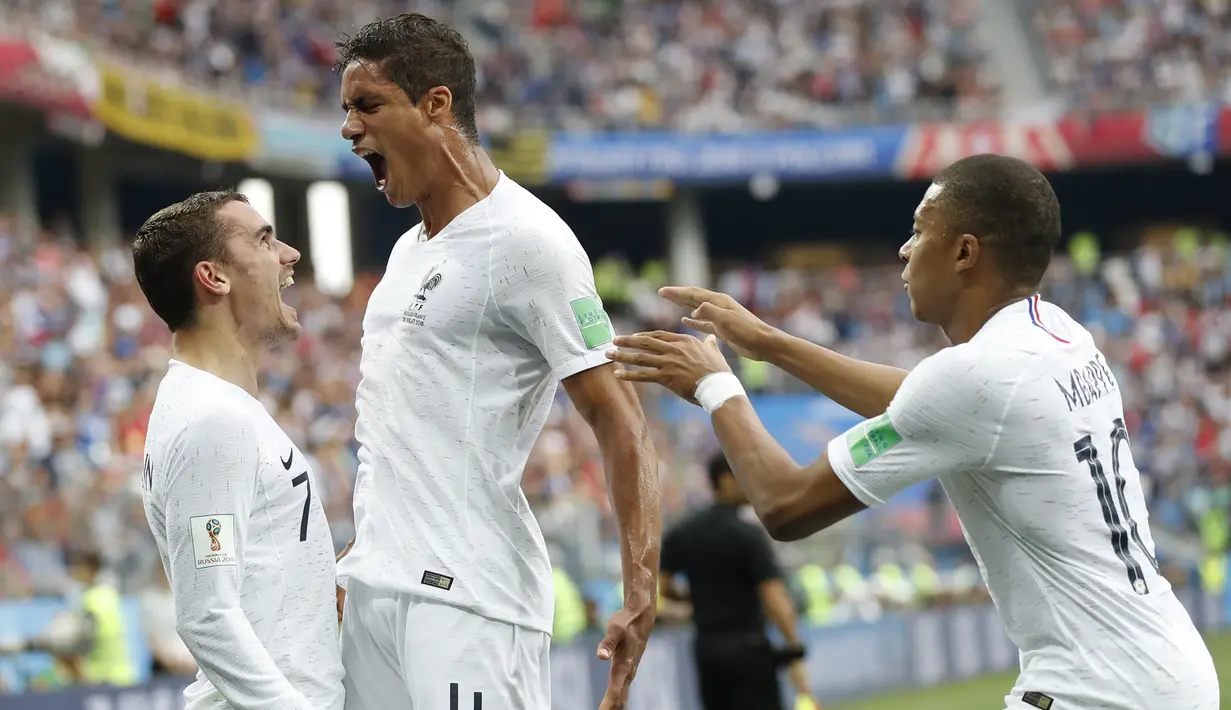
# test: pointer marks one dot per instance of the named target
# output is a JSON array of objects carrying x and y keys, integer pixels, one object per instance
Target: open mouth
[
  {"x": 283, "y": 286},
  {"x": 376, "y": 161}
]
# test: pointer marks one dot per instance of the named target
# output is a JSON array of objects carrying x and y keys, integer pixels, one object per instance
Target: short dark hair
[
  {"x": 418, "y": 53},
  {"x": 170, "y": 245},
  {"x": 718, "y": 467},
  {"x": 1009, "y": 205}
]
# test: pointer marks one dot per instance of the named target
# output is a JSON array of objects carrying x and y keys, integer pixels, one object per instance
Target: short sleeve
[
  {"x": 944, "y": 419},
  {"x": 544, "y": 288}
]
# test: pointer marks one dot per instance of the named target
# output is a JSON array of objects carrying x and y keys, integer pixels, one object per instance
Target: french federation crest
[
  {"x": 413, "y": 314},
  {"x": 430, "y": 282}
]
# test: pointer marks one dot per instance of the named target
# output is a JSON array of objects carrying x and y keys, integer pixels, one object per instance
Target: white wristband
[{"x": 716, "y": 388}]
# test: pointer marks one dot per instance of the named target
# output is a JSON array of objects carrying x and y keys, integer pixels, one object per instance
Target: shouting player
[
  {"x": 1021, "y": 420},
  {"x": 485, "y": 306},
  {"x": 228, "y": 496}
]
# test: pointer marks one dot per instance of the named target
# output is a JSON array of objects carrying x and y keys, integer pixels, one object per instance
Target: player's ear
[
  {"x": 212, "y": 279},
  {"x": 438, "y": 104},
  {"x": 967, "y": 252}
]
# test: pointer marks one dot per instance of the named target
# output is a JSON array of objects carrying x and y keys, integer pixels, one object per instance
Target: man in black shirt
[{"x": 734, "y": 584}]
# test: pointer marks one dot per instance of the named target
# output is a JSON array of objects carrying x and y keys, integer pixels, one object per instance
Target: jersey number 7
[
  {"x": 1121, "y": 522},
  {"x": 307, "y": 503}
]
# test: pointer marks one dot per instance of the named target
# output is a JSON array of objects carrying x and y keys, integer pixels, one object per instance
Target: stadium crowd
[
  {"x": 676, "y": 64},
  {"x": 81, "y": 355},
  {"x": 573, "y": 64},
  {"x": 1106, "y": 52}
]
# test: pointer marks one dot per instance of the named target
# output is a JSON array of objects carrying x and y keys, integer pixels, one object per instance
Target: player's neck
[
  {"x": 221, "y": 354},
  {"x": 467, "y": 177},
  {"x": 975, "y": 311}
]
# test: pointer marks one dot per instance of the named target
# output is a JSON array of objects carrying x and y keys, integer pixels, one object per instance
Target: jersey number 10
[{"x": 1120, "y": 521}]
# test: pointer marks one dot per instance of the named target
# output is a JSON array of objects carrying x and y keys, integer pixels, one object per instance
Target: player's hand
[
  {"x": 798, "y": 674},
  {"x": 341, "y": 590},
  {"x": 677, "y": 362},
  {"x": 627, "y": 634},
  {"x": 719, "y": 314}
]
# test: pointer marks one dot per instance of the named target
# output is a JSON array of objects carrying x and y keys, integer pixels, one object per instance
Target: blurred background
[{"x": 772, "y": 149}]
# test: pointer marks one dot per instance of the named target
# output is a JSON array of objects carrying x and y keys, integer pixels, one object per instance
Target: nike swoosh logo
[{"x": 286, "y": 462}]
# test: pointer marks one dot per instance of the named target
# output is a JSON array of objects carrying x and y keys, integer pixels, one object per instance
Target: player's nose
[
  {"x": 904, "y": 251},
  {"x": 352, "y": 128},
  {"x": 289, "y": 256}
]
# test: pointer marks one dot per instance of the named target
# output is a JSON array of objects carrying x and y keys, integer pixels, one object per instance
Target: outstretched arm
[
  {"x": 865, "y": 388},
  {"x": 792, "y": 501},
  {"x": 944, "y": 419}
]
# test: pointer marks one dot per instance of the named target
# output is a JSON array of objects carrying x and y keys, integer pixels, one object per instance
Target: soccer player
[
  {"x": 228, "y": 496},
  {"x": 485, "y": 306},
  {"x": 1021, "y": 420}
]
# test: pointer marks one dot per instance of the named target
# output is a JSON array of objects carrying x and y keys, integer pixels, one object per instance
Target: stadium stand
[
  {"x": 1111, "y": 52},
  {"x": 548, "y": 64}
]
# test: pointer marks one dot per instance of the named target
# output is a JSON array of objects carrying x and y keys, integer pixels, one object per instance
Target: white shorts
[{"x": 402, "y": 652}]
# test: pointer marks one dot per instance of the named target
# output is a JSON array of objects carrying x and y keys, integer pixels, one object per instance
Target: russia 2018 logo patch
[{"x": 213, "y": 540}]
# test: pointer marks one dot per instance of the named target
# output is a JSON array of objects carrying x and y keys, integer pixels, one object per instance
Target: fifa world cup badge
[
  {"x": 213, "y": 527},
  {"x": 213, "y": 540}
]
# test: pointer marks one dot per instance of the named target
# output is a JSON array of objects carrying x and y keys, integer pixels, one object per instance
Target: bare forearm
[
  {"x": 865, "y": 388},
  {"x": 781, "y": 612},
  {"x": 766, "y": 472},
  {"x": 632, "y": 474},
  {"x": 792, "y": 501}
]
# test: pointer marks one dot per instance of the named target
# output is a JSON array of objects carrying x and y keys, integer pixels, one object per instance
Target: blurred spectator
[
  {"x": 105, "y": 658},
  {"x": 1104, "y": 52},
  {"x": 692, "y": 65}
]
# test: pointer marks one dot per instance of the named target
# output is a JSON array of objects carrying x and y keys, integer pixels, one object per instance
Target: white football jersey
[
  {"x": 246, "y": 547},
  {"x": 464, "y": 343},
  {"x": 1024, "y": 427}
]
